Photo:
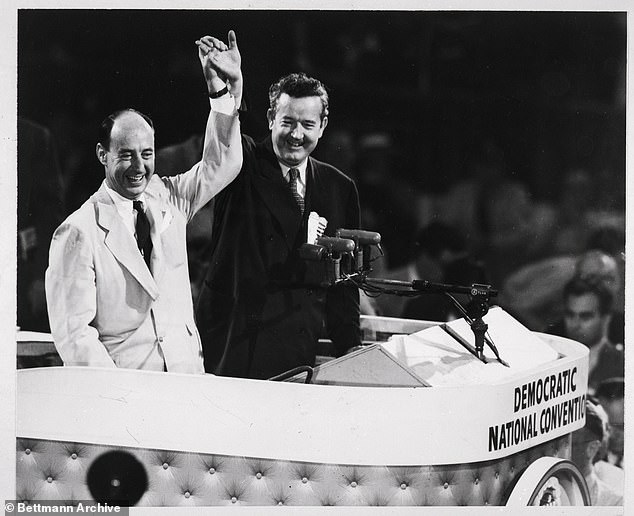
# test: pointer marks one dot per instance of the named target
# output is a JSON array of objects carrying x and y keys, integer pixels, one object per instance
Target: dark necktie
[
  {"x": 299, "y": 200},
  {"x": 142, "y": 229}
]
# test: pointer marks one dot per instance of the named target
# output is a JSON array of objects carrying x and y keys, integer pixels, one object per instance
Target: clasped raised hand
[{"x": 220, "y": 60}]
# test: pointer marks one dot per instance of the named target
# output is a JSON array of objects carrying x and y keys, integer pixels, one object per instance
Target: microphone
[
  {"x": 361, "y": 236},
  {"x": 328, "y": 250},
  {"x": 336, "y": 245},
  {"x": 475, "y": 290},
  {"x": 312, "y": 252},
  {"x": 363, "y": 240}
]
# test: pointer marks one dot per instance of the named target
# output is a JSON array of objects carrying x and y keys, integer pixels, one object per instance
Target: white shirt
[
  {"x": 602, "y": 494},
  {"x": 612, "y": 475},
  {"x": 225, "y": 104},
  {"x": 125, "y": 209}
]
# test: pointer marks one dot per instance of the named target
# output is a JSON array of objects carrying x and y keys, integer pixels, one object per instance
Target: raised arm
[{"x": 222, "y": 148}]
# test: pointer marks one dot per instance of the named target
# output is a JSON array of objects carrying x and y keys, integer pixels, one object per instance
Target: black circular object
[{"x": 117, "y": 478}]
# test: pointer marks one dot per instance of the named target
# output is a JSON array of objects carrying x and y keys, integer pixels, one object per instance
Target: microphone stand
[{"x": 477, "y": 308}]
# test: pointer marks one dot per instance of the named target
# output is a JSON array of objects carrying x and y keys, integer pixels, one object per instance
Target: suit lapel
[
  {"x": 122, "y": 245},
  {"x": 312, "y": 188},
  {"x": 274, "y": 191}
]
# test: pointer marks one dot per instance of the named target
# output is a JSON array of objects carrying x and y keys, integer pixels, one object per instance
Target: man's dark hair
[
  {"x": 611, "y": 388},
  {"x": 298, "y": 85},
  {"x": 105, "y": 129},
  {"x": 596, "y": 422},
  {"x": 590, "y": 285}
]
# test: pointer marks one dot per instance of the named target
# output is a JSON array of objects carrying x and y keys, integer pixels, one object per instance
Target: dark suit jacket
[
  {"x": 256, "y": 315},
  {"x": 611, "y": 364}
]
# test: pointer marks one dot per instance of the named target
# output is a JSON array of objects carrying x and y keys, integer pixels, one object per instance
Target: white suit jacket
[{"x": 105, "y": 307}]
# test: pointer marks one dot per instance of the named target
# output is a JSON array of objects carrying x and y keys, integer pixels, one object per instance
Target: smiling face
[
  {"x": 296, "y": 127},
  {"x": 129, "y": 160}
]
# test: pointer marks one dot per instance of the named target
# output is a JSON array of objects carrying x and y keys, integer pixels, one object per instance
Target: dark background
[
  {"x": 546, "y": 88},
  {"x": 532, "y": 95}
]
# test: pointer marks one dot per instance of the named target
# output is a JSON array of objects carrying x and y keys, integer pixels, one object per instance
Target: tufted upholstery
[{"x": 57, "y": 470}]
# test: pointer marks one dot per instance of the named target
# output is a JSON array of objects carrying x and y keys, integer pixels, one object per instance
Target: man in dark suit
[{"x": 257, "y": 315}]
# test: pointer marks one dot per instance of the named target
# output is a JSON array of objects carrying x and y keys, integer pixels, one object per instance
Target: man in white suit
[{"x": 109, "y": 304}]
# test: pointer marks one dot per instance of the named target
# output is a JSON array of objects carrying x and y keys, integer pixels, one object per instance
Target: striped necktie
[
  {"x": 299, "y": 200},
  {"x": 142, "y": 228}
]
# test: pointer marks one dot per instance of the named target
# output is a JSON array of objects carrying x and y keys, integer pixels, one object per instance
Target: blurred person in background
[
  {"x": 442, "y": 257},
  {"x": 587, "y": 443},
  {"x": 598, "y": 267},
  {"x": 587, "y": 312},
  {"x": 516, "y": 230},
  {"x": 611, "y": 396},
  {"x": 533, "y": 293},
  {"x": 389, "y": 199},
  {"x": 610, "y": 239},
  {"x": 436, "y": 245},
  {"x": 41, "y": 208},
  {"x": 577, "y": 197}
]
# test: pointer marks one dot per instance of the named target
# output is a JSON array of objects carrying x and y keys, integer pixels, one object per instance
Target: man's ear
[
  {"x": 324, "y": 123},
  {"x": 270, "y": 116},
  {"x": 101, "y": 154}
]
